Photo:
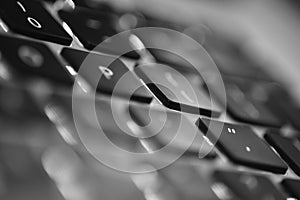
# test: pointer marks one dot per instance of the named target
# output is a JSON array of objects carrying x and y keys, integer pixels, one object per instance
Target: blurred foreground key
[
  {"x": 249, "y": 187},
  {"x": 175, "y": 182},
  {"x": 22, "y": 175},
  {"x": 164, "y": 126}
]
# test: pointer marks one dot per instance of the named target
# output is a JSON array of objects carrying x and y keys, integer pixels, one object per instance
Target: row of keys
[
  {"x": 249, "y": 150},
  {"x": 30, "y": 60},
  {"x": 92, "y": 27},
  {"x": 242, "y": 185},
  {"x": 181, "y": 181},
  {"x": 35, "y": 60}
]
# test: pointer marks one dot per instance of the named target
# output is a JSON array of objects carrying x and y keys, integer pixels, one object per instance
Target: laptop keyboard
[{"x": 257, "y": 153}]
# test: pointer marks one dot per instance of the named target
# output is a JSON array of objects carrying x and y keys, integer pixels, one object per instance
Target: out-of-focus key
[
  {"x": 292, "y": 186},
  {"x": 22, "y": 175},
  {"x": 247, "y": 101},
  {"x": 92, "y": 28},
  {"x": 289, "y": 149},
  {"x": 175, "y": 91},
  {"x": 30, "y": 18},
  {"x": 248, "y": 187},
  {"x": 165, "y": 129},
  {"x": 230, "y": 56},
  {"x": 284, "y": 106},
  {"x": 99, "y": 6},
  {"x": 177, "y": 181},
  {"x": 104, "y": 78},
  {"x": 28, "y": 59},
  {"x": 89, "y": 26},
  {"x": 242, "y": 146}
]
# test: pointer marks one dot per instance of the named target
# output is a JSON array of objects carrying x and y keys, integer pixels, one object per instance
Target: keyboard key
[
  {"x": 111, "y": 75},
  {"x": 96, "y": 5},
  {"x": 93, "y": 27},
  {"x": 161, "y": 131},
  {"x": 90, "y": 27},
  {"x": 288, "y": 149},
  {"x": 30, "y": 18},
  {"x": 28, "y": 59},
  {"x": 284, "y": 106},
  {"x": 248, "y": 187},
  {"x": 230, "y": 56},
  {"x": 292, "y": 186},
  {"x": 242, "y": 146},
  {"x": 247, "y": 101},
  {"x": 22, "y": 173},
  {"x": 175, "y": 91},
  {"x": 175, "y": 182}
]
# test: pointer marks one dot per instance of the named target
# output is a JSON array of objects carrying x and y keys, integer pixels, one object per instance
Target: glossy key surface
[
  {"x": 292, "y": 186},
  {"x": 175, "y": 91},
  {"x": 288, "y": 148},
  {"x": 92, "y": 28},
  {"x": 28, "y": 59},
  {"x": 242, "y": 146},
  {"x": 30, "y": 18},
  {"x": 114, "y": 78}
]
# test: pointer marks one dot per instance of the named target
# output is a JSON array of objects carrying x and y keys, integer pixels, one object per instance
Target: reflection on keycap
[
  {"x": 114, "y": 79},
  {"x": 29, "y": 60}
]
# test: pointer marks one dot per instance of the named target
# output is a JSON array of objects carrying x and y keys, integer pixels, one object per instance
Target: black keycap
[
  {"x": 247, "y": 101},
  {"x": 93, "y": 27},
  {"x": 175, "y": 91},
  {"x": 161, "y": 131},
  {"x": 30, "y": 18},
  {"x": 242, "y": 146},
  {"x": 284, "y": 106},
  {"x": 29, "y": 59},
  {"x": 292, "y": 186},
  {"x": 248, "y": 186},
  {"x": 99, "y": 6},
  {"x": 289, "y": 149},
  {"x": 95, "y": 67}
]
